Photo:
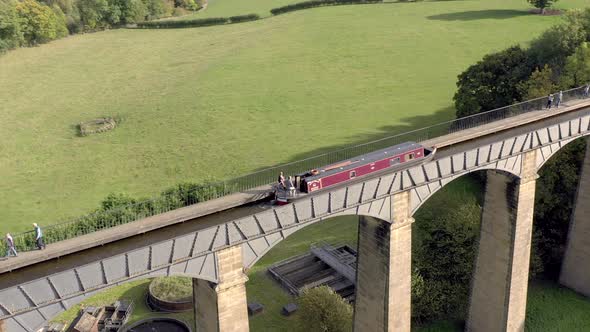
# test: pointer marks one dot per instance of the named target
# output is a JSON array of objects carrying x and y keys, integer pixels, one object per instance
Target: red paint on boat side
[{"x": 363, "y": 169}]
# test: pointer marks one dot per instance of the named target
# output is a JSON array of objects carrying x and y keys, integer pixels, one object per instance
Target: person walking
[
  {"x": 10, "y": 244},
  {"x": 587, "y": 90},
  {"x": 549, "y": 101},
  {"x": 558, "y": 99},
  {"x": 39, "y": 237}
]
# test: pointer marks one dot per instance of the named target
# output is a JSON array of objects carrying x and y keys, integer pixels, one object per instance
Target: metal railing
[{"x": 181, "y": 197}]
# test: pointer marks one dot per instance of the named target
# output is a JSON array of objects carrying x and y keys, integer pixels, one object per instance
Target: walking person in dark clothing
[
  {"x": 549, "y": 101},
  {"x": 10, "y": 244},
  {"x": 39, "y": 237},
  {"x": 587, "y": 90}
]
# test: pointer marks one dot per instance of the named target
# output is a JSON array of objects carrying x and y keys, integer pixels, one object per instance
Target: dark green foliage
[
  {"x": 317, "y": 3},
  {"x": 554, "y": 201},
  {"x": 322, "y": 310},
  {"x": 244, "y": 18},
  {"x": 576, "y": 71},
  {"x": 492, "y": 82},
  {"x": 443, "y": 257},
  {"x": 94, "y": 13},
  {"x": 113, "y": 201},
  {"x": 559, "y": 42},
  {"x": 31, "y": 22},
  {"x": 11, "y": 34},
  {"x": 539, "y": 84},
  {"x": 184, "y": 23},
  {"x": 542, "y": 4}
]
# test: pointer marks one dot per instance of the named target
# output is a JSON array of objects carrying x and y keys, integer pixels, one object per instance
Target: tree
[
  {"x": 11, "y": 35},
  {"x": 321, "y": 309},
  {"x": 492, "y": 82},
  {"x": 559, "y": 42},
  {"x": 158, "y": 8},
  {"x": 93, "y": 13},
  {"x": 444, "y": 259},
  {"x": 554, "y": 202},
  {"x": 576, "y": 71},
  {"x": 542, "y": 4},
  {"x": 39, "y": 23},
  {"x": 538, "y": 85}
]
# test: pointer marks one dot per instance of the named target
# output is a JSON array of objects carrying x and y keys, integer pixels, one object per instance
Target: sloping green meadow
[{"x": 216, "y": 102}]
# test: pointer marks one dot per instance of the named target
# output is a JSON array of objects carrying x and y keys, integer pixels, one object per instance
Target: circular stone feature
[
  {"x": 171, "y": 294},
  {"x": 158, "y": 325},
  {"x": 96, "y": 126}
]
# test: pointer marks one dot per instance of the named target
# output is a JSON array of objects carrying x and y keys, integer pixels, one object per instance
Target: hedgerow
[
  {"x": 317, "y": 3},
  {"x": 201, "y": 22},
  {"x": 244, "y": 18}
]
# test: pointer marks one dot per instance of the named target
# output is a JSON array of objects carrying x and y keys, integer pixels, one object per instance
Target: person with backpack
[{"x": 549, "y": 101}]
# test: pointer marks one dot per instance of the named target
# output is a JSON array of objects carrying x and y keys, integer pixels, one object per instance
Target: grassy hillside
[{"x": 222, "y": 101}]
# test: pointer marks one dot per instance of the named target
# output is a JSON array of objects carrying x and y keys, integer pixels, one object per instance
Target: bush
[
  {"x": 244, "y": 18},
  {"x": 174, "y": 289},
  {"x": 184, "y": 23},
  {"x": 11, "y": 34},
  {"x": 321, "y": 309},
  {"x": 317, "y": 3},
  {"x": 39, "y": 23}
]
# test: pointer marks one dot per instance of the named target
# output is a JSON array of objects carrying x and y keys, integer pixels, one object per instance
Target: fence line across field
[{"x": 106, "y": 218}]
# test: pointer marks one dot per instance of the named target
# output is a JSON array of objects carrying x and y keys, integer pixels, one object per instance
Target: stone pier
[
  {"x": 500, "y": 281},
  {"x": 575, "y": 269},
  {"x": 222, "y": 307},
  {"x": 383, "y": 294}
]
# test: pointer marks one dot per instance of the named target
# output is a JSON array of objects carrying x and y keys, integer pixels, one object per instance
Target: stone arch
[
  {"x": 422, "y": 193},
  {"x": 255, "y": 249},
  {"x": 547, "y": 152},
  {"x": 34, "y": 301}
]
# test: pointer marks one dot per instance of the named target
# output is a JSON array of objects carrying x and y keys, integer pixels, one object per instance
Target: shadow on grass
[
  {"x": 473, "y": 15},
  {"x": 408, "y": 124}
]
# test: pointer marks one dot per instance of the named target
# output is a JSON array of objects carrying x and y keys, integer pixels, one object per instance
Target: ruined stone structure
[{"x": 215, "y": 253}]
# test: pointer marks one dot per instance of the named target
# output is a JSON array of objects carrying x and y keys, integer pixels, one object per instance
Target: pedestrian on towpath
[
  {"x": 559, "y": 98},
  {"x": 39, "y": 237},
  {"x": 282, "y": 180},
  {"x": 10, "y": 243},
  {"x": 549, "y": 101},
  {"x": 587, "y": 90}
]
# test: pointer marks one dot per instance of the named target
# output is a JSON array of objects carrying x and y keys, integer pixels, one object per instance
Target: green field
[{"x": 211, "y": 103}]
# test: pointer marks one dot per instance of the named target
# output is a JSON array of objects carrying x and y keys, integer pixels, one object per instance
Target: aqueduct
[{"x": 217, "y": 248}]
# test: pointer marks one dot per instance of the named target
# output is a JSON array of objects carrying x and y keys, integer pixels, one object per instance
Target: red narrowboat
[{"x": 346, "y": 170}]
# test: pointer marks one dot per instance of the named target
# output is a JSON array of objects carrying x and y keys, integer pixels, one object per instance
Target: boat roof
[{"x": 364, "y": 159}]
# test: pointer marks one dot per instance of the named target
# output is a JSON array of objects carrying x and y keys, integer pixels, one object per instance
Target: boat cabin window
[
  {"x": 410, "y": 156},
  {"x": 352, "y": 174},
  {"x": 394, "y": 161}
]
